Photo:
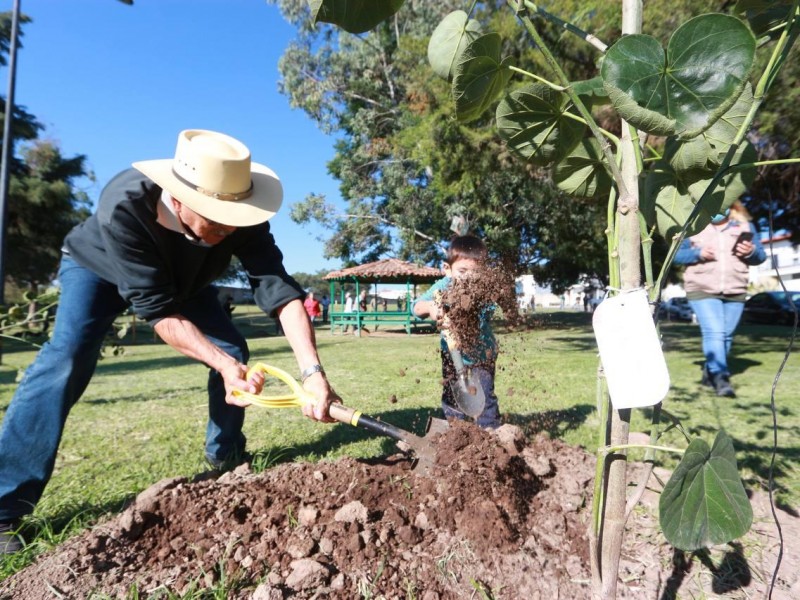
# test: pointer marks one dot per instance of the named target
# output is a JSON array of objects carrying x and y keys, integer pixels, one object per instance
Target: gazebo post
[
  {"x": 358, "y": 308},
  {"x": 332, "y": 306}
]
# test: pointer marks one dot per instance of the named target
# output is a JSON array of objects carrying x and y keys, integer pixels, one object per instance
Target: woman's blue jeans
[
  {"x": 33, "y": 424},
  {"x": 718, "y": 320}
]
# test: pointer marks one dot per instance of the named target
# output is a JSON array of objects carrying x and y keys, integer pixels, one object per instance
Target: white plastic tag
[{"x": 630, "y": 351}]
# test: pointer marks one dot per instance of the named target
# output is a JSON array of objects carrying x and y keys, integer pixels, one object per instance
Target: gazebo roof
[{"x": 390, "y": 270}]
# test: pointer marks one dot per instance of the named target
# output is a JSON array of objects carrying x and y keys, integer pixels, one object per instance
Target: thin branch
[
  {"x": 585, "y": 36},
  {"x": 385, "y": 221}
]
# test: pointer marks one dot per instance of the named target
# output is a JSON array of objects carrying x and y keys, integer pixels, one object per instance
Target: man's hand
[
  {"x": 235, "y": 378},
  {"x": 317, "y": 385}
]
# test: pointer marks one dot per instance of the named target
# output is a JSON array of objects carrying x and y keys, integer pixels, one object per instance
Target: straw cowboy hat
[{"x": 212, "y": 174}]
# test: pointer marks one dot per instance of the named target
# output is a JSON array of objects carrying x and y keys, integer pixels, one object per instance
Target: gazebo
[{"x": 389, "y": 271}]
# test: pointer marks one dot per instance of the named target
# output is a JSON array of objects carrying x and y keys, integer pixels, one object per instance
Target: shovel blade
[
  {"x": 423, "y": 447},
  {"x": 436, "y": 426},
  {"x": 468, "y": 394}
]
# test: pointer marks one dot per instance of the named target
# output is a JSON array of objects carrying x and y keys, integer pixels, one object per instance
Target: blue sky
[{"x": 117, "y": 83}]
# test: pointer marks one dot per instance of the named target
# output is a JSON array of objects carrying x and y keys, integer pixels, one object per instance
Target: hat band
[{"x": 217, "y": 195}]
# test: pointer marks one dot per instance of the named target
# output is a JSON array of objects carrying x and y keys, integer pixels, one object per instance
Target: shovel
[
  {"x": 467, "y": 390},
  {"x": 423, "y": 449}
]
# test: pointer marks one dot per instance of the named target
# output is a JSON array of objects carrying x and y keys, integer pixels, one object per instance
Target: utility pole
[
  {"x": 8, "y": 144},
  {"x": 7, "y": 151}
]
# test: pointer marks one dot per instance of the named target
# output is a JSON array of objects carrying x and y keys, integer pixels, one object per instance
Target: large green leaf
[
  {"x": 685, "y": 90},
  {"x": 707, "y": 150},
  {"x": 449, "y": 40},
  {"x": 592, "y": 91},
  {"x": 531, "y": 121},
  {"x": 733, "y": 184},
  {"x": 690, "y": 155},
  {"x": 704, "y": 502},
  {"x": 355, "y": 16},
  {"x": 766, "y": 17},
  {"x": 664, "y": 202},
  {"x": 669, "y": 197},
  {"x": 724, "y": 131},
  {"x": 480, "y": 77},
  {"x": 583, "y": 173}
]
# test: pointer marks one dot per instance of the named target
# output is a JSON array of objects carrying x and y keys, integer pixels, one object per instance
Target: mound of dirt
[{"x": 493, "y": 518}]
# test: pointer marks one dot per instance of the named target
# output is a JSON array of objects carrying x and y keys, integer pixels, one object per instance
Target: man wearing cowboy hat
[{"x": 162, "y": 233}]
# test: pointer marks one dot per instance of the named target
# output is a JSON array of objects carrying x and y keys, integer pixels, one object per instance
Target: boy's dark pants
[{"x": 490, "y": 417}]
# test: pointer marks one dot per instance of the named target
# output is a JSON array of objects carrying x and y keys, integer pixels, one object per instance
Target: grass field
[{"x": 143, "y": 417}]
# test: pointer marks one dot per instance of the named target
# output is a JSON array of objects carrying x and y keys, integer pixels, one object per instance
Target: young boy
[{"x": 466, "y": 258}]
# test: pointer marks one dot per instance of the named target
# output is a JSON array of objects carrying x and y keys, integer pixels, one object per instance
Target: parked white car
[{"x": 676, "y": 309}]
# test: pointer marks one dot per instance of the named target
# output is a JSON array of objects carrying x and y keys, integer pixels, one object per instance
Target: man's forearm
[
  {"x": 182, "y": 335},
  {"x": 299, "y": 333}
]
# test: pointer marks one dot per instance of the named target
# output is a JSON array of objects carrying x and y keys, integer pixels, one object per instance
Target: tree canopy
[{"x": 406, "y": 167}]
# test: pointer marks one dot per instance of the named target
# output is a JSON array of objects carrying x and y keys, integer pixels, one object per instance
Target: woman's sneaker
[
  {"x": 706, "y": 379},
  {"x": 9, "y": 540},
  {"x": 722, "y": 385}
]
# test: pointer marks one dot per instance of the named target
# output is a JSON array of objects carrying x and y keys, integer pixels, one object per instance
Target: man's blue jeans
[
  {"x": 718, "y": 320},
  {"x": 34, "y": 421}
]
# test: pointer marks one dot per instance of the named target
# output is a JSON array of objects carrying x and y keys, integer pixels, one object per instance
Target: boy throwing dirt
[{"x": 463, "y": 303}]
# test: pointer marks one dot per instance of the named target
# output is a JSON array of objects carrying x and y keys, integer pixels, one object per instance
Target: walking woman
[{"x": 718, "y": 260}]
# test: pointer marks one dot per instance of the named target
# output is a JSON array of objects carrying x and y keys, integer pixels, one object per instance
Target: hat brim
[{"x": 260, "y": 207}]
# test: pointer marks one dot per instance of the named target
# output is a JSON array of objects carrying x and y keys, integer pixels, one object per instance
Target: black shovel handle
[{"x": 353, "y": 417}]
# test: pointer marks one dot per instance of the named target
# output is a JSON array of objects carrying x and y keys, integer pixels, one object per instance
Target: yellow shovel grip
[{"x": 297, "y": 397}]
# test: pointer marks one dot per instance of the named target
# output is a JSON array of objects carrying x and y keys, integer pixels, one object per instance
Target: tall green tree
[
  {"x": 43, "y": 201},
  {"x": 43, "y": 205}
]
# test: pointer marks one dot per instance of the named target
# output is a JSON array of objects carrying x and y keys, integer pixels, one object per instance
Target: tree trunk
[{"x": 630, "y": 277}]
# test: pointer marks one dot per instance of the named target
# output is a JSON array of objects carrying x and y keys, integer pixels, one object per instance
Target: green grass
[{"x": 143, "y": 416}]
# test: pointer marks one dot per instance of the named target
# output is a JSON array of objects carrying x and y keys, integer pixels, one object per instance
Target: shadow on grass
[
  {"x": 555, "y": 422},
  {"x": 731, "y": 574}
]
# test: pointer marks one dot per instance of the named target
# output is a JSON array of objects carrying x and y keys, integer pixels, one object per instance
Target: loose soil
[{"x": 496, "y": 517}]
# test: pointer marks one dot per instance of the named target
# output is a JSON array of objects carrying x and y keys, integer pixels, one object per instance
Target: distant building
[
  {"x": 783, "y": 257},
  {"x": 528, "y": 293}
]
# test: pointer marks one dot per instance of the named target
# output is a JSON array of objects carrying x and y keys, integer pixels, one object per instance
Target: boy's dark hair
[{"x": 466, "y": 246}]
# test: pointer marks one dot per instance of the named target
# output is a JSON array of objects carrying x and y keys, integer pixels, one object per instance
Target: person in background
[
  {"x": 325, "y": 303},
  {"x": 717, "y": 266},
  {"x": 466, "y": 257},
  {"x": 164, "y": 230},
  {"x": 349, "y": 307},
  {"x": 362, "y": 301},
  {"x": 311, "y": 304}
]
